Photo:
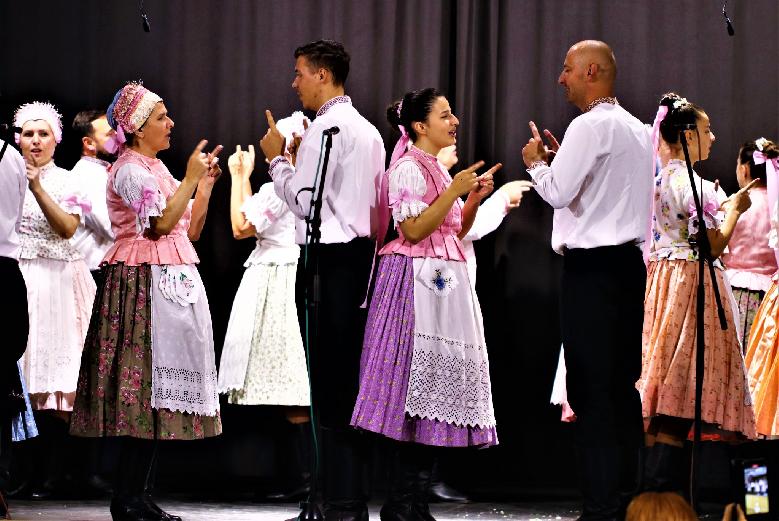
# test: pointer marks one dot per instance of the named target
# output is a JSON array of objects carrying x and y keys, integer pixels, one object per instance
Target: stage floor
[{"x": 189, "y": 511}]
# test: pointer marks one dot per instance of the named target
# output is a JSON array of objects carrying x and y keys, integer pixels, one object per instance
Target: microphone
[
  {"x": 728, "y": 23},
  {"x": 5, "y": 127},
  {"x": 145, "y": 19},
  {"x": 331, "y": 131}
]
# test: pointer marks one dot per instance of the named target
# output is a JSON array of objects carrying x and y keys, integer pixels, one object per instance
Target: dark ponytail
[{"x": 680, "y": 113}]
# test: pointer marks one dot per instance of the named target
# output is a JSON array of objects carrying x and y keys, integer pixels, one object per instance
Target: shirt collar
[
  {"x": 597, "y": 101},
  {"x": 333, "y": 101},
  {"x": 104, "y": 164}
]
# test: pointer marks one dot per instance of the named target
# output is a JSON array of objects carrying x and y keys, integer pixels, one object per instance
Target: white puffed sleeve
[
  {"x": 139, "y": 189},
  {"x": 407, "y": 186},
  {"x": 264, "y": 208}
]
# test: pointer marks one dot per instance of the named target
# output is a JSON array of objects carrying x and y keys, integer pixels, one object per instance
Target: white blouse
[
  {"x": 274, "y": 225},
  {"x": 38, "y": 238}
]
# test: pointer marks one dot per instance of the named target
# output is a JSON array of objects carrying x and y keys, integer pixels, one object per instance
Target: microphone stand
[
  {"x": 309, "y": 509},
  {"x": 704, "y": 257}
]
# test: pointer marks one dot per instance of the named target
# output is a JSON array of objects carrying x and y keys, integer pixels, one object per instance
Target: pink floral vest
[
  {"x": 133, "y": 248},
  {"x": 443, "y": 243}
]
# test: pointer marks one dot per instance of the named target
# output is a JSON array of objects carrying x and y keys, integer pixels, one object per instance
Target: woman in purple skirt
[{"x": 424, "y": 370}]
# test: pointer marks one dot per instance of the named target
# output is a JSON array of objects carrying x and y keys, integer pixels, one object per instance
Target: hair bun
[
  {"x": 669, "y": 98},
  {"x": 393, "y": 113}
]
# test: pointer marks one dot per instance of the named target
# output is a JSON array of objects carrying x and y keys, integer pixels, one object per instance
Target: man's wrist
[{"x": 538, "y": 163}]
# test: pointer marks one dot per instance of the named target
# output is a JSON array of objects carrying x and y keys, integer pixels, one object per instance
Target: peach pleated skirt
[
  {"x": 667, "y": 383},
  {"x": 763, "y": 364}
]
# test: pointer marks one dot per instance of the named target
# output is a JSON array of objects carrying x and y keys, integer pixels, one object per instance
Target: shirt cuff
[
  {"x": 536, "y": 167},
  {"x": 276, "y": 162}
]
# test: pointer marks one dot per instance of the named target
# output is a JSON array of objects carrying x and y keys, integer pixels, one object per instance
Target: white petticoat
[{"x": 59, "y": 300}]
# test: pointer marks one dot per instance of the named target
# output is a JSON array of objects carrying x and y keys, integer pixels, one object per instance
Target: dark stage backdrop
[{"x": 218, "y": 65}]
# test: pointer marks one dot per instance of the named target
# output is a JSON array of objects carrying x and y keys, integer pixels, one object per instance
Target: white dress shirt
[
  {"x": 488, "y": 218},
  {"x": 353, "y": 174},
  {"x": 600, "y": 181},
  {"x": 13, "y": 185},
  {"x": 94, "y": 236}
]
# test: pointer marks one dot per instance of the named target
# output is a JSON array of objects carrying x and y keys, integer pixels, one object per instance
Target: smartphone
[{"x": 752, "y": 475}]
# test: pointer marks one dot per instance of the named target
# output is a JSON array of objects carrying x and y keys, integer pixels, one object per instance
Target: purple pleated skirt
[{"x": 385, "y": 366}]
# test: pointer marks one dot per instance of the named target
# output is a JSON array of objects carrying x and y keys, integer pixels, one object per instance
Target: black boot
[
  {"x": 440, "y": 490},
  {"x": 400, "y": 503},
  {"x": 295, "y": 469},
  {"x": 127, "y": 503},
  {"x": 663, "y": 467},
  {"x": 422, "y": 488},
  {"x": 148, "y": 486},
  {"x": 344, "y": 458},
  {"x": 600, "y": 483}
]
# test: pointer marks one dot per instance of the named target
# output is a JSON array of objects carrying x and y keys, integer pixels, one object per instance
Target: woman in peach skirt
[
  {"x": 762, "y": 362},
  {"x": 667, "y": 383}
]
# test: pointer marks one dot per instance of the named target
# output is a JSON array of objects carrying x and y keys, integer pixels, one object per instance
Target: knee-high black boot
[
  {"x": 424, "y": 460},
  {"x": 399, "y": 505},
  {"x": 127, "y": 503},
  {"x": 148, "y": 487},
  {"x": 663, "y": 469}
]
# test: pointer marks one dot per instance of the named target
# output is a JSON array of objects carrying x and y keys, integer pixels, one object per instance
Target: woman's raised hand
[
  {"x": 33, "y": 172},
  {"x": 199, "y": 162},
  {"x": 466, "y": 180},
  {"x": 486, "y": 182},
  {"x": 241, "y": 162},
  {"x": 514, "y": 190},
  {"x": 740, "y": 201}
]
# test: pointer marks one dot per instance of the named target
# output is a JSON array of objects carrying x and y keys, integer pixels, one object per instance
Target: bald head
[
  {"x": 594, "y": 52},
  {"x": 589, "y": 72}
]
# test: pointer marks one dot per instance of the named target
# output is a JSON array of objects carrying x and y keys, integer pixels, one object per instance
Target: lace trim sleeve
[
  {"x": 141, "y": 192},
  {"x": 406, "y": 187},
  {"x": 263, "y": 208}
]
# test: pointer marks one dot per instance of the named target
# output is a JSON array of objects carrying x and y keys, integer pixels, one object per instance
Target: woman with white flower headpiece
[
  {"x": 60, "y": 289},
  {"x": 750, "y": 260},
  {"x": 424, "y": 374},
  {"x": 148, "y": 371},
  {"x": 761, "y": 158},
  {"x": 263, "y": 360},
  {"x": 667, "y": 383}
]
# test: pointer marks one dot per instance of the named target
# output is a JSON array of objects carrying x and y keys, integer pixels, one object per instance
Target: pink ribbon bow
[
  {"x": 74, "y": 200},
  {"x": 662, "y": 111},
  {"x": 115, "y": 142},
  {"x": 771, "y": 180},
  {"x": 147, "y": 200}
]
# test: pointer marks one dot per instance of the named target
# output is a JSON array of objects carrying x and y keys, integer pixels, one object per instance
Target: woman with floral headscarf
[{"x": 148, "y": 370}]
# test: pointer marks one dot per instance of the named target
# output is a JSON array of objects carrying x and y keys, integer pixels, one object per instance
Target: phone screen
[{"x": 756, "y": 488}]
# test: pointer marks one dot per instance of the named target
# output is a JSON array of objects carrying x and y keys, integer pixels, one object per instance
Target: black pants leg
[
  {"x": 602, "y": 318},
  {"x": 334, "y": 359}
]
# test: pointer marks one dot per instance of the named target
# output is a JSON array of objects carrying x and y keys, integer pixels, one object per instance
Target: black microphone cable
[{"x": 728, "y": 23}]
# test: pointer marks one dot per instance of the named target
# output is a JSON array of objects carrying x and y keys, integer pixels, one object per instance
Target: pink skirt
[{"x": 667, "y": 383}]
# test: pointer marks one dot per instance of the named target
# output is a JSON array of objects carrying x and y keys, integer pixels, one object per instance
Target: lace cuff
[
  {"x": 76, "y": 204},
  {"x": 141, "y": 192},
  {"x": 406, "y": 187}
]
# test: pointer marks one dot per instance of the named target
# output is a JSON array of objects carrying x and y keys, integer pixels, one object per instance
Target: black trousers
[
  {"x": 334, "y": 357},
  {"x": 602, "y": 315},
  {"x": 15, "y": 325}
]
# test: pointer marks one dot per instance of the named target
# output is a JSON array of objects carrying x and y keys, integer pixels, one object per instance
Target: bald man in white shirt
[{"x": 600, "y": 185}]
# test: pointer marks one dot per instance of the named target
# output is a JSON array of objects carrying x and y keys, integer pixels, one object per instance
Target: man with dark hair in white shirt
[
  {"x": 349, "y": 222},
  {"x": 600, "y": 185},
  {"x": 14, "y": 322},
  {"x": 94, "y": 235}
]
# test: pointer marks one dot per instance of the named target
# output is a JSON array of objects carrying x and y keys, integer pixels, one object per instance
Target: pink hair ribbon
[{"x": 771, "y": 181}]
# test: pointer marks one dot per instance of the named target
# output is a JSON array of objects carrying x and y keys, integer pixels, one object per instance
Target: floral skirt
[
  {"x": 263, "y": 360},
  {"x": 667, "y": 383},
  {"x": 385, "y": 367},
  {"x": 748, "y": 300},
  {"x": 113, "y": 397},
  {"x": 763, "y": 363}
]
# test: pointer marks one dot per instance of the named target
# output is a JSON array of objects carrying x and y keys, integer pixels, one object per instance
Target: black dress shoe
[
  {"x": 297, "y": 493},
  {"x": 440, "y": 491},
  {"x": 132, "y": 509},
  {"x": 164, "y": 516},
  {"x": 352, "y": 512}
]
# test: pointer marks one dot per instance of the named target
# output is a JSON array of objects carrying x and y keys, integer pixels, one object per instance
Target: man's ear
[{"x": 88, "y": 144}]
